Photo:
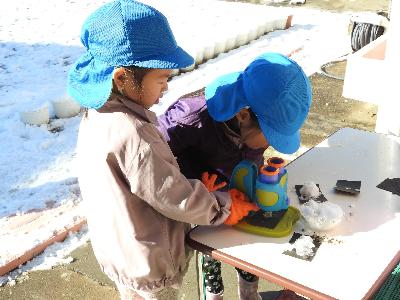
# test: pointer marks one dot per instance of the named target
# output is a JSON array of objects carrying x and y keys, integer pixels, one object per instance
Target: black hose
[
  {"x": 361, "y": 35},
  {"x": 328, "y": 64},
  {"x": 364, "y": 33}
]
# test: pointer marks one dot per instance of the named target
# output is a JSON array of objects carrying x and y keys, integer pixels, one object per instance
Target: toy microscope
[{"x": 267, "y": 187}]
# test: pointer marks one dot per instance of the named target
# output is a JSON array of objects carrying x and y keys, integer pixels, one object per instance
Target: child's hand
[
  {"x": 209, "y": 182},
  {"x": 240, "y": 207}
]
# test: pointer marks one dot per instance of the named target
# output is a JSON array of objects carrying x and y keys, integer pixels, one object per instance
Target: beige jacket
[{"x": 138, "y": 204}]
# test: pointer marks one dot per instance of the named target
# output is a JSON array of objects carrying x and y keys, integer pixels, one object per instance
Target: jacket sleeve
[
  {"x": 179, "y": 124},
  {"x": 154, "y": 176}
]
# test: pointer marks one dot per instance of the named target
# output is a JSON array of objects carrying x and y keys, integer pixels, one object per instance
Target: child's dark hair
[
  {"x": 138, "y": 75},
  {"x": 254, "y": 117},
  {"x": 234, "y": 123}
]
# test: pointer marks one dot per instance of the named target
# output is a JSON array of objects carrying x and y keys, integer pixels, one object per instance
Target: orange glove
[
  {"x": 240, "y": 207},
  {"x": 209, "y": 182}
]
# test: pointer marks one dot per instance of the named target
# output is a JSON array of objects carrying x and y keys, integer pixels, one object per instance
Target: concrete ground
[{"x": 82, "y": 279}]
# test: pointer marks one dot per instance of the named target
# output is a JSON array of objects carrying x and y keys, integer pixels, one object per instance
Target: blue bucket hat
[
  {"x": 275, "y": 88},
  {"x": 121, "y": 33}
]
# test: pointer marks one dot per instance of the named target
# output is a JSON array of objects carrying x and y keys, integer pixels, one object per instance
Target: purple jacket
[{"x": 200, "y": 143}]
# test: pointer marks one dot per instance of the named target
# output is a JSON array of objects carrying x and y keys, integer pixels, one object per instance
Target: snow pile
[
  {"x": 321, "y": 216},
  {"x": 52, "y": 256},
  {"x": 309, "y": 191},
  {"x": 304, "y": 246}
]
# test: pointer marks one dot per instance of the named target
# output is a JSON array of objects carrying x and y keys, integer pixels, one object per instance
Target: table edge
[
  {"x": 282, "y": 281},
  {"x": 383, "y": 277}
]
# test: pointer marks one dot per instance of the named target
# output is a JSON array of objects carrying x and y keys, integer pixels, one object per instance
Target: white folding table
[{"x": 357, "y": 255}]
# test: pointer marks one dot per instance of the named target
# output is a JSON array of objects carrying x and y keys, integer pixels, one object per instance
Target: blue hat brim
[
  {"x": 90, "y": 81},
  {"x": 225, "y": 96},
  {"x": 286, "y": 144},
  {"x": 273, "y": 86}
]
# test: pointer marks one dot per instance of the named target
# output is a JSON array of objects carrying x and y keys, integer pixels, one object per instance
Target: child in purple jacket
[{"x": 239, "y": 116}]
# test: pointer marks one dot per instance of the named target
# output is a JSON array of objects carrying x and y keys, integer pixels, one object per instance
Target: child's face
[
  {"x": 253, "y": 137},
  {"x": 153, "y": 85},
  {"x": 250, "y": 133}
]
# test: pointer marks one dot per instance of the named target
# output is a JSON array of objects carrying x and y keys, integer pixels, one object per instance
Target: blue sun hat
[
  {"x": 275, "y": 88},
  {"x": 121, "y": 33}
]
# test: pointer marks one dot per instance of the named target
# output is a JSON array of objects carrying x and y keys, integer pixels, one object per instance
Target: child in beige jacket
[{"x": 138, "y": 203}]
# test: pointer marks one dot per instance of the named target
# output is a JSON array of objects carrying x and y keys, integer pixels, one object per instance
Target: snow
[
  {"x": 304, "y": 246},
  {"x": 39, "y": 40},
  {"x": 370, "y": 18},
  {"x": 55, "y": 254},
  {"x": 321, "y": 216},
  {"x": 309, "y": 190}
]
